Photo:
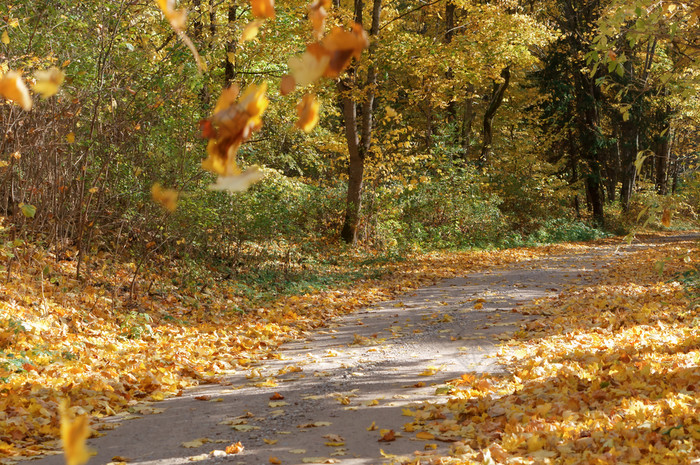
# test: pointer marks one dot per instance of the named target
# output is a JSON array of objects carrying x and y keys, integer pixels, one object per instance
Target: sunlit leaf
[
  {"x": 308, "y": 68},
  {"x": 263, "y": 8},
  {"x": 48, "y": 82},
  {"x": 251, "y": 30},
  {"x": 12, "y": 88},
  {"x": 307, "y": 111},
  {"x": 167, "y": 198},
  {"x": 74, "y": 433},
  {"x": 318, "y": 11},
  {"x": 235, "y": 448},
  {"x": 5, "y": 38}
]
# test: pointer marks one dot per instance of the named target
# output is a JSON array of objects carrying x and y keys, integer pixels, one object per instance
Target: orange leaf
[
  {"x": 318, "y": 10},
  {"x": 666, "y": 218},
  {"x": 275, "y": 461},
  {"x": 388, "y": 436},
  {"x": 13, "y": 88},
  {"x": 234, "y": 448},
  {"x": 232, "y": 124},
  {"x": 307, "y": 110},
  {"x": 276, "y": 396},
  {"x": 263, "y": 8},
  {"x": 287, "y": 84}
]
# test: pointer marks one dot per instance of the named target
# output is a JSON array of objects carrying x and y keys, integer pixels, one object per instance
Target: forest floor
[{"x": 571, "y": 353}]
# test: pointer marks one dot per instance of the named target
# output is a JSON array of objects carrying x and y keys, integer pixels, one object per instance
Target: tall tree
[{"x": 358, "y": 119}]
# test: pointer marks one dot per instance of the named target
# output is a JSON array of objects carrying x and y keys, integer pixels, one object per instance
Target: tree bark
[
  {"x": 358, "y": 131},
  {"x": 663, "y": 156},
  {"x": 499, "y": 91},
  {"x": 629, "y": 147}
]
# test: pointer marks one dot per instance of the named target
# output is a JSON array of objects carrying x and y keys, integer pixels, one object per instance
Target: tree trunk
[
  {"x": 229, "y": 67},
  {"x": 359, "y": 139},
  {"x": 663, "y": 158},
  {"x": 629, "y": 147},
  {"x": 499, "y": 91},
  {"x": 466, "y": 133}
]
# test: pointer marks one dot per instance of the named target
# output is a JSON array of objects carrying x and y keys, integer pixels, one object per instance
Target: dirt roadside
[{"x": 361, "y": 370}]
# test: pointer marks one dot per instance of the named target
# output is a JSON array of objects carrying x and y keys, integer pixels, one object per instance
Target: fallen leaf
[
  {"x": 234, "y": 448},
  {"x": 372, "y": 427},
  {"x": 270, "y": 441},
  {"x": 425, "y": 435},
  {"x": 274, "y": 461},
  {"x": 195, "y": 443},
  {"x": 276, "y": 396},
  {"x": 389, "y": 436}
]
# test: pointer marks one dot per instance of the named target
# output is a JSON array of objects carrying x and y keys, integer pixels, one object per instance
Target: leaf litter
[{"x": 560, "y": 367}]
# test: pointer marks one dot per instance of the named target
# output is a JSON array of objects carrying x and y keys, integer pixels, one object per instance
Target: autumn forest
[{"x": 226, "y": 176}]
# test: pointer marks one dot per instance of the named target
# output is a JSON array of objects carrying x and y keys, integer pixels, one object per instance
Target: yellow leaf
[
  {"x": 176, "y": 18},
  {"x": 74, "y": 432},
  {"x": 297, "y": 451},
  {"x": 372, "y": 427},
  {"x": 535, "y": 443},
  {"x": 270, "y": 441},
  {"x": 315, "y": 460},
  {"x": 425, "y": 435},
  {"x": 5, "y": 38},
  {"x": 167, "y": 198},
  {"x": 48, "y": 82},
  {"x": 13, "y": 88},
  {"x": 70, "y": 137},
  {"x": 308, "y": 68},
  {"x": 335, "y": 444},
  {"x": 430, "y": 371},
  {"x": 195, "y": 443},
  {"x": 250, "y": 32}
]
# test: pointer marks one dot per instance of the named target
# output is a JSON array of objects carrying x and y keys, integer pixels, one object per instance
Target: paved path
[{"x": 363, "y": 369}]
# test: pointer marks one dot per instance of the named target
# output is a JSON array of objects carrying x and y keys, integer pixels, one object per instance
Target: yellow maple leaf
[
  {"x": 5, "y": 38},
  {"x": 74, "y": 433}
]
